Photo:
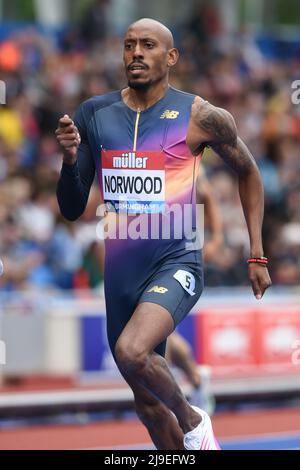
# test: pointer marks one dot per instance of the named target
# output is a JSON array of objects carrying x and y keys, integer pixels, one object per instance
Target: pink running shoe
[{"x": 202, "y": 437}]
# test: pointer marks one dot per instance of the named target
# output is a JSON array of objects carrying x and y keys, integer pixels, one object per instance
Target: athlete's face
[{"x": 147, "y": 58}]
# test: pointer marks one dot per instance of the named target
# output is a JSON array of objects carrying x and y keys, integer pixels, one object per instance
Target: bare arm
[
  {"x": 213, "y": 216},
  {"x": 218, "y": 130}
]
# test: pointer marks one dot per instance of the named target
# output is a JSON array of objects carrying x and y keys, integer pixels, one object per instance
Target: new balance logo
[
  {"x": 158, "y": 290},
  {"x": 169, "y": 114}
]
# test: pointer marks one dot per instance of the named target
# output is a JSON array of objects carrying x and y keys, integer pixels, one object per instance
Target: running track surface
[{"x": 269, "y": 429}]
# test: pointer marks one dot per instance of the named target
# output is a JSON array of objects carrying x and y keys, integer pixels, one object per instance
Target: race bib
[
  {"x": 186, "y": 279},
  {"x": 133, "y": 182}
]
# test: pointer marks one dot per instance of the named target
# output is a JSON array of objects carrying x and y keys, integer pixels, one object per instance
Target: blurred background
[{"x": 243, "y": 55}]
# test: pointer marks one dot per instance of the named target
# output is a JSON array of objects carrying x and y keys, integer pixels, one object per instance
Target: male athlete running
[{"x": 143, "y": 142}]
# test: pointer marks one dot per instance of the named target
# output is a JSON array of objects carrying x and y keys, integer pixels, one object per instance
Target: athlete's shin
[
  {"x": 162, "y": 426},
  {"x": 152, "y": 372}
]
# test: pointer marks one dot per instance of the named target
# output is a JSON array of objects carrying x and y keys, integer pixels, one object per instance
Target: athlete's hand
[
  {"x": 260, "y": 279},
  {"x": 68, "y": 138}
]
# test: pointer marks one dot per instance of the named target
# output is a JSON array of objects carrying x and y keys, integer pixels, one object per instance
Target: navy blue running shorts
[{"x": 176, "y": 285}]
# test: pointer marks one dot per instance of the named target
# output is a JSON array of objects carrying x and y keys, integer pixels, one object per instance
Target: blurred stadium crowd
[{"x": 46, "y": 78}]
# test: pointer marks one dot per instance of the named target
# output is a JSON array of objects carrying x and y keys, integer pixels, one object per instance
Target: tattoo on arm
[
  {"x": 218, "y": 124},
  {"x": 237, "y": 156}
]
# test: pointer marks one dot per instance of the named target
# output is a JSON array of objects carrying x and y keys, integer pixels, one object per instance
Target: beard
[{"x": 144, "y": 86}]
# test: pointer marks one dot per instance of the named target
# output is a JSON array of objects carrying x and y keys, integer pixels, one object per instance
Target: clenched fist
[{"x": 69, "y": 139}]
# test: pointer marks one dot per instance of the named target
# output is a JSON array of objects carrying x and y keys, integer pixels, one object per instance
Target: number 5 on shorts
[{"x": 186, "y": 280}]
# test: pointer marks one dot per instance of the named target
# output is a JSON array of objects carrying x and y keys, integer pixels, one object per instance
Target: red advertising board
[
  {"x": 278, "y": 331},
  {"x": 245, "y": 339},
  {"x": 227, "y": 337}
]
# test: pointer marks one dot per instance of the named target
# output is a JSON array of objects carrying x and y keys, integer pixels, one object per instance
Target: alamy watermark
[
  {"x": 296, "y": 94},
  {"x": 173, "y": 222},
  {"x": 296, "y": 352},
  {"x": 2, "y": 353},
  {"x": 2, "y": 92}
]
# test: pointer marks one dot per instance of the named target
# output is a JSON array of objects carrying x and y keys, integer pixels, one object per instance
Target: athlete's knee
[
  {"x": 152, "y": 415},
  {"x": 131, "y": 358}
]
